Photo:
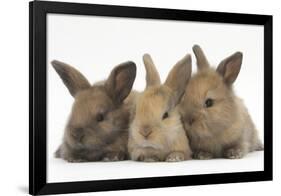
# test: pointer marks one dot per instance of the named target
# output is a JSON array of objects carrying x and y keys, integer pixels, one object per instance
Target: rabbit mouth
[
  {"x": 200, "y": 133},
  {"x": 150, "y": 145}
]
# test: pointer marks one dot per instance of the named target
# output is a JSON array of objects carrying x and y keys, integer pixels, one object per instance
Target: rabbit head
[
  {"x": 156, "y": 117},
  {"x": 209, "y": 104},
  {"x": 98, "y": 123}
]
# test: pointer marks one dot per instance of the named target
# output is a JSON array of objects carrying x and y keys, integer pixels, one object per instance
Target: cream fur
[{"x": 167, "y": 140}]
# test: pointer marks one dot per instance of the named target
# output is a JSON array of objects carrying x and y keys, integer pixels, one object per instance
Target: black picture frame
[{"x": 37, "y": 97}]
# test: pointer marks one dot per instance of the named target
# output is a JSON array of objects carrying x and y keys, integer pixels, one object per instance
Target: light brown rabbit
[
  {"x": 156, "y": 132},
  {"x": 97, "y": 129},
  {"x": 215, "y": 119}
]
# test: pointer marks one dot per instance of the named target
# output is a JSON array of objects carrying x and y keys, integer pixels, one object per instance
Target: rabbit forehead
[
  {"x": 89, "y": 103},
  {"x": 205, "y": 84},
  {"x": 154, "y": 101}
]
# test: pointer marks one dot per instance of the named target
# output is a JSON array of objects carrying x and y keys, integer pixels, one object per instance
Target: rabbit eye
[
  {"x": 209, "y": 103},
  {"x": 100, "y": 117},
  {"x": 165, "y": 115}
]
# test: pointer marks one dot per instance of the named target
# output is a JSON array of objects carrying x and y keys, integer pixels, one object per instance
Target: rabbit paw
[
  {"x": 113, "y": 156},
  {"x": 151, "y": 159},
  {"x": 202, "y": 155},
  {"x": 75, "y": 160},
  {"x": 234, "y": 153},
  {"x": 175, "y": 157},
  {"x": 147, "y": 158}
]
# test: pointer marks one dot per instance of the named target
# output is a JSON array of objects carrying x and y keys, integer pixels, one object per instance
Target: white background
[
  {"x": 94, "y": 45},
  {"x": 14, "y": 99}
]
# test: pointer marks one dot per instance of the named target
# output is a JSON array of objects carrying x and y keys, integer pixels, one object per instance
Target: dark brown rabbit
[
  {"x": 97, "y": 129},
  {"x": 216, "y": 120}
]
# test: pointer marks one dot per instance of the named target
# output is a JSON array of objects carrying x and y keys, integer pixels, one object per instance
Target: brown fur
[
  {"x": 225, "y": 129},
  {"x": 152, "y": 138},
  {"x": 97, "y": 128}
]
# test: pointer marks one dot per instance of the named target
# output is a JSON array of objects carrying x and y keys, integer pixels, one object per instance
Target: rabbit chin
[
  {"x": 199, "y": 132},
  {"x": 148, "y": 144}
]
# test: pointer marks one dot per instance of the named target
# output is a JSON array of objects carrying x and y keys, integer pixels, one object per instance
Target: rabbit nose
[
  {"x": 191, "y": 120},
  {"x": 80, "y": 138},
  {"x": 145, "y": 132}
]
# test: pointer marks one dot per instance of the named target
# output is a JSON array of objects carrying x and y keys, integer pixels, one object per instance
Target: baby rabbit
[
  {"x": 156, "y": 132},
  {"x": 215, "y": 119},
  {"x": 97, "y": 128}
]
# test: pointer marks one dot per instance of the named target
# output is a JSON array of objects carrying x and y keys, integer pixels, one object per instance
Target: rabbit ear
[
  {"x": 179, "y": 77},
  {"x": 202, "y": 62},
  {"x": 152, "y": 75},
  {"x": 230, "y": 67},
  {"x": 120, "y": 81},
  {"x": 71, "y": 77}
]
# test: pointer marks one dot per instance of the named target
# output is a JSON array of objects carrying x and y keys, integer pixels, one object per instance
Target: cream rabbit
[{"x": 156, "y": 132}]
